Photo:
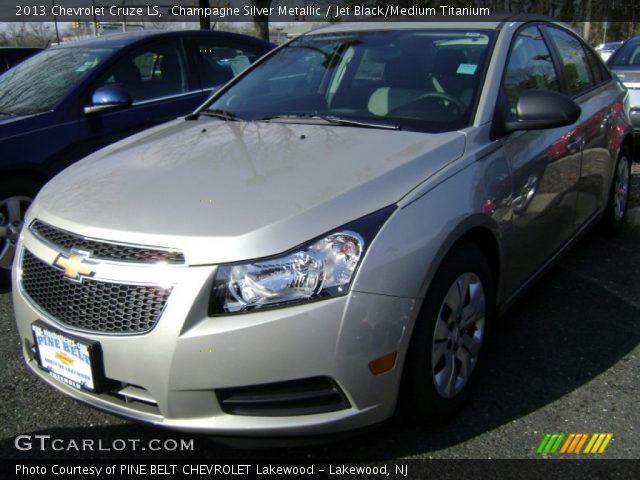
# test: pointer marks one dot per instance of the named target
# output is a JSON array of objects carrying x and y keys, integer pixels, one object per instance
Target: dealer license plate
[{"x": 66, "y": 358}]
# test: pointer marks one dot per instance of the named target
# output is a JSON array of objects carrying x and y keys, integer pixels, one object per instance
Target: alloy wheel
[{"x": 458, "y": 335}]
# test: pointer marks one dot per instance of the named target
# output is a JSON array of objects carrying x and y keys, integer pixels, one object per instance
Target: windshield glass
[
  {"x": 628, "y": 55},
  {"x": 425, "y": 80},
  {"x": 40, "y": 83}
]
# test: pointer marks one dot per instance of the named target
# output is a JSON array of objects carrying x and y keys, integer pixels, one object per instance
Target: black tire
[
  {"x": 420, "y": 399},
  {"x": 616, "y": 211},
  {"x": 26, "y": 189}
]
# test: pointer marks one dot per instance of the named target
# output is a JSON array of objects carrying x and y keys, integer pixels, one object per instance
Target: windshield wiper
[
  {"x": 333, "y": 120},
  {"x": 217, "y": 113},
  {"x": 357, "y": 123}
]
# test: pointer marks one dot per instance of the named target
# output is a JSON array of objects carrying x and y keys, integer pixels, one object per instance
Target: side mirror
[
  {"x": 541, "y": 109},
  {"x": 108, "y": 98}
]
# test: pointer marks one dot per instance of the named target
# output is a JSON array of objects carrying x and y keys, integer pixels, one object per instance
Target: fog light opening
[{"x": 383, "y": 364}]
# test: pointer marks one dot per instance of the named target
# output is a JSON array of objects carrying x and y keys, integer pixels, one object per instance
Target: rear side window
[
  {"x": 220, "y": 62},
  {"x": 530, "y": 66},
  {"x": 598, "y": 70},
  {"x": 574, "y": 61}
]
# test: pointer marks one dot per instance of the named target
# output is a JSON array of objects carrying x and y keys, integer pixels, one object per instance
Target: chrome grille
[
  {"x": 101, "y": 250},
  {"x": 92, "y": 305}
]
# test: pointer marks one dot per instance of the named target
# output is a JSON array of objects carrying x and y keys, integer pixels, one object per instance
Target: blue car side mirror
[{"x": 108, "y": 98}]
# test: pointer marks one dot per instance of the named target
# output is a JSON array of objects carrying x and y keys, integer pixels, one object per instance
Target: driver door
[
  {"x": 157, "y": 78},
  {"x": 544, "y": 164}
]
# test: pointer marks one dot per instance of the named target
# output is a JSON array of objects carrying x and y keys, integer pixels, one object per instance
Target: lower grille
[
  {"x": 297, "y": 397},
  {"x": 92, "y": 305}
]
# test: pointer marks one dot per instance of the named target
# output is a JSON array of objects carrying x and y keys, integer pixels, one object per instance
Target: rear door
[{"x": 589, "y": 84}]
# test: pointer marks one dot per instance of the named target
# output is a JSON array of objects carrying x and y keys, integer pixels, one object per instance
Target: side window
[
  {"x": 220, "y": 63},
  {"x": 598, "y": 70},
  {"x": 574, "y": 61},
  {"x": 530, "y": 66},
  {"x": 154, "y": 71}
]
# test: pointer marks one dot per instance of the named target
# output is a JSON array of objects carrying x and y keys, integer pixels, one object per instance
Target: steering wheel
[{"x": 461, "y": 107}]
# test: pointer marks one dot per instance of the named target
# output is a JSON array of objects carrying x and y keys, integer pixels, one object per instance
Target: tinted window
[
  {"x": 423, "y": 80},
  {"x": 574, "y": 61},
  {"x": 628, "y": 55},
  {"x": 530, "y": 66},
  {"x": 220, "y": 63},
  {"x": 598, "y": 70},
  {"x": 39, "y": 83},
  {"x": 155, "y": 71}
]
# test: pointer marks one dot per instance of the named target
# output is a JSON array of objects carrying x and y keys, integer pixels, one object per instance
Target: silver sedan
[{"x": 331, "y": 236}]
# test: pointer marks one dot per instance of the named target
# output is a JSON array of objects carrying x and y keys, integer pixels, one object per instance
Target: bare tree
[
  {"x": 27, "y": 34},
  {"x": 261, "y": 20},
  {"x": 205, "y": 21}
]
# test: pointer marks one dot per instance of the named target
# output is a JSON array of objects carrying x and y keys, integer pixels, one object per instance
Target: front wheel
[
  {"x": 449, "y": 340},
  {"x": 15, "y": 197}
]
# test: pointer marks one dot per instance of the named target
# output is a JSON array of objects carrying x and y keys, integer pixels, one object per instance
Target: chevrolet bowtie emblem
[{"x": 75, "y": 265}]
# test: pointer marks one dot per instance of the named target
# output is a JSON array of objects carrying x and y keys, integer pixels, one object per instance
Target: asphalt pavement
[{"x": 565, "y": 358}]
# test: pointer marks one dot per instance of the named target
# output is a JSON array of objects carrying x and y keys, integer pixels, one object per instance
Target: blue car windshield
[
  {"x": 424, "y": 80},
  {"x": 41, "y": 82}
]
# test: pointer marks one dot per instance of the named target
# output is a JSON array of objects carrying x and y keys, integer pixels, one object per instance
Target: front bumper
[{"x": 172, "y": 375}]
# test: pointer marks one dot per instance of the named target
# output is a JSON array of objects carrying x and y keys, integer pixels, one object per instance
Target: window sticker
[
  {"x": 467, "y": 69},
  {"x": 84, "y": 67}
]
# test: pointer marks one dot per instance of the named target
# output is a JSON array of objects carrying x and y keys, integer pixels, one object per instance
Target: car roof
[
  {"x": 368, "y": 26},
  {"x": 118, "y": 40},
  {"x": 492, "y": 22}
]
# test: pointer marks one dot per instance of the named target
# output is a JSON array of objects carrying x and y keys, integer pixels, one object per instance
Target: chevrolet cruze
[{"x": 331, "y": 236}]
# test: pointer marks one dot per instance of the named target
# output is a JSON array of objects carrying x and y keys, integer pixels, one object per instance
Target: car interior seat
[
  {"x": 452, "y": 76},
  {"x": 127, "y": 76},
  {"x": 403, "y": 84}
]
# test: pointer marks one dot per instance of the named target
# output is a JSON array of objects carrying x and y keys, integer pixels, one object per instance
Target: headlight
[{"x": 322, "y": 268}]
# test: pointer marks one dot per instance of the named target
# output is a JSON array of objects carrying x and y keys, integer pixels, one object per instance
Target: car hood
[{"x": 227, "y": 191}]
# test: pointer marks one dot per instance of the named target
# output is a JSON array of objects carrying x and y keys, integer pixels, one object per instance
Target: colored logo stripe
[
  {"x": 550, "y": 443},
  {"x": 598, "y": 442},
  {"x": 574, "y": 442}
]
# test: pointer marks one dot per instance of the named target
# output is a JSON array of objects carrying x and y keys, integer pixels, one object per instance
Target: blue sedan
[{"x": 68, "y": 101}]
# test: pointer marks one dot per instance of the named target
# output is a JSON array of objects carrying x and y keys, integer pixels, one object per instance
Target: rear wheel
[
  {"x": 616, "y": 210},
  {"x": 15, "y": 197},
  {"x": 448, "y": 343}
]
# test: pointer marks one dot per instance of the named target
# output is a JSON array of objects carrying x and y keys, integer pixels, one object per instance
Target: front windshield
[
  {"x": 41, "y": 82},
  {"x": 627, "y": 56},
  {"x": 425, "y": 80}
]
